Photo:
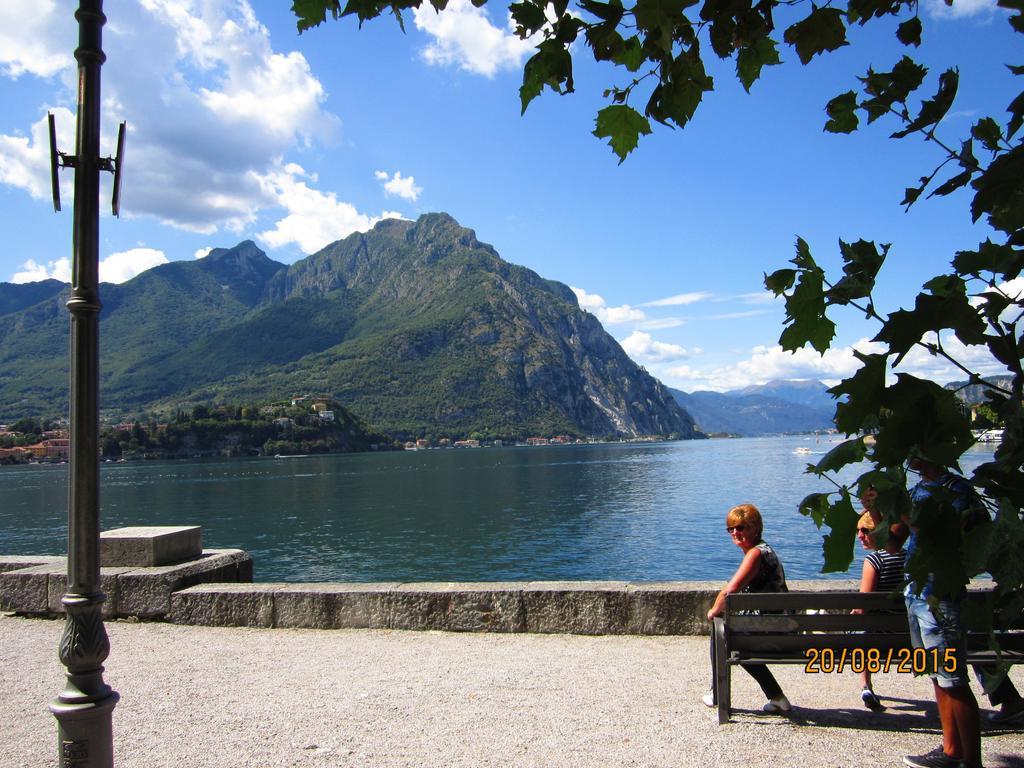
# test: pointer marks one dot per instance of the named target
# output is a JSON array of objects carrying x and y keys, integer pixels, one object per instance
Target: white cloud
[
  {"x": 116, "y": 268},
  {"x": 25, "y": 162},
  {"x": 27, "y": 41},
  {"x": 767, "y": 363},
  {"x": 662, "y": 324},
  {"x": 124, "y": 265},
  {"x": 644, "y": 349},
  {"x": 202, "y": 253},
  {"x": 212, "y": 109},
  {"x": 400, "y": 186},
  {"x": 740, "y": 315},
  {"x": 679, "y": 300},
  {"x": 314, "y": 218},
  {"x": 465, "y": 36},
  {"x": 960, "y": 9},
  {"x": 595, "y": 304},
  {"x": 32, "y": 272}
]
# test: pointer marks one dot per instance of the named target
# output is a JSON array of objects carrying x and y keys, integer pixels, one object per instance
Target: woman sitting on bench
[{"x": 760, "y": 571}]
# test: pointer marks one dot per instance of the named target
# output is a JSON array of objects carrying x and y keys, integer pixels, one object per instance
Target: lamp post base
[{"x": 84, "y": 734}]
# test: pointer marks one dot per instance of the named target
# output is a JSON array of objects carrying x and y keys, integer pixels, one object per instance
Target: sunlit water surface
[{"x": 604, "y": 512}]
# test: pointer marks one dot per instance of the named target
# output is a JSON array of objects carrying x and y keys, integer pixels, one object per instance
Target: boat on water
[
  {"x": 988, "y": 435},
  {"x": 802, "y": 450},
  {"x": 290, "y": 455}
]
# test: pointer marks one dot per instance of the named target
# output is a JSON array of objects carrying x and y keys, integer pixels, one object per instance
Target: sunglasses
[
  {"x": 731, "y": 528},
  {"x": 863, "y": 530}
]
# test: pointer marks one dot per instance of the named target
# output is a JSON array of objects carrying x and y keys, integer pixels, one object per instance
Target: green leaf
[
  {"x": 752, "y": 58},
  {"x": 859, "y": 411},
  {"x": 780, "y": 281},
  {"x": 921, "y": 417},
  {"x": 529, "y": 18},
  {"x": 622, "y": 126},
  {"x": 909, "y": 32},
  {"x": 890, "y": 88},
  {"x": 999, "y": 192},
  {"x": 990, "y": 257},
  {"x": 608, "y": 12},
  {"x": 837, "y": 547},
  {"x": 848, "y": 452},
  {"x": 823, "y": 30},
  {"x": 862, "y": 11},
  {"x": 953, "y": 184},
  {"x": 680, "y": 90},
  {"x": 311, "y": 13},
  {"x": 842, "y": 114},
  {"x": 815, "y": 506},
  {"x": 861, "y": 264},
  {"x": 631, "y": 55},
  {"x": 1016, "y": 110},
  {"x": 988, "y": 132},
  {"x": 910, "y": 195},
  {"x": 903, "y": 329},
  {"x": 933, "y": 110}
]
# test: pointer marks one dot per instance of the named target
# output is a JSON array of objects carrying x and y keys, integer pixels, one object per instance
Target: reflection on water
[{"x": 622, "y": 511}]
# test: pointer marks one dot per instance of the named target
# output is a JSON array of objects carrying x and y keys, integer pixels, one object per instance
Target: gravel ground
[{"x": 200, "y": 697}]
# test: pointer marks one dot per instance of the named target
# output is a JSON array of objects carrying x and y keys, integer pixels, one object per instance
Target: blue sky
[{"x": 239, "y": 128}]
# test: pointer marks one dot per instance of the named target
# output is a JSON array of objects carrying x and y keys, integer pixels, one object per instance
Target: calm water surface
[{"x": 619, "y": 511}]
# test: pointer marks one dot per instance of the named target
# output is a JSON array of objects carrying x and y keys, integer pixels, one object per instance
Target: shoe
[
  {"x": 776, "y": 705},
  {"x": 934, "y": 759},
  {"x": 870, "y": 700},
  {"x": 1010, "y": 712},
  {"x": 709, "y": 699}
]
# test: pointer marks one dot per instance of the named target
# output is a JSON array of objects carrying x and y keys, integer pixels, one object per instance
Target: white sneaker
[
  {"x": 778, "y": 704},
  {"x": 708, "y": 699}
]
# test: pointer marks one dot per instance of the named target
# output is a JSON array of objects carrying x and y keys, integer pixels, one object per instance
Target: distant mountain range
[
  {"x": 416, "y": 327},
  {"x": 777, "y": 407}
]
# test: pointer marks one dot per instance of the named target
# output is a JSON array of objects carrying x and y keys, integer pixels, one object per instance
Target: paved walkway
[{"x": 195, "y": 697}]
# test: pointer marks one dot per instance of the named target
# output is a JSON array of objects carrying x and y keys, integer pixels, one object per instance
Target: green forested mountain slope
[{"x": 417, "y": 327}]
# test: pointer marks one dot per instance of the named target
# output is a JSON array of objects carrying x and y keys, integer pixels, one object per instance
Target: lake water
[{"x": 605, "y": 512}]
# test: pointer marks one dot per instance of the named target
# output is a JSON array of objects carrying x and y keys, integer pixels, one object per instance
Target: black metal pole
[{"x": 83, "y": 709}]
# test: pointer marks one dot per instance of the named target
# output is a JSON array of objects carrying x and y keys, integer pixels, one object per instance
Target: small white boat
[
  {"x": 988, "y": 435},
  {"x": 802, "y": 450}
]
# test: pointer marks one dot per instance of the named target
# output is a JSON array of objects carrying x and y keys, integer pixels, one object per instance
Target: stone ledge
[
  {"x": 146, "y": 546},
  {"x": 37, "y": 589},
  {"x": 17, "y": 562},
  {"x": 590, "y": 608}
]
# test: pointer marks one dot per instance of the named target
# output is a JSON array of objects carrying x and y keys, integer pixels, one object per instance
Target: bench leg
[{"x": 723, "y": 672}]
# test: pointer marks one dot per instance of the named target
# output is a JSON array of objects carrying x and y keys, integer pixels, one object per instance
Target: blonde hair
[{"x": 748, "y": 515}]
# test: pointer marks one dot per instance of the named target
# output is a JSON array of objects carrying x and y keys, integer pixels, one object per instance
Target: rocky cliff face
[{"x": 417, "y": 327}]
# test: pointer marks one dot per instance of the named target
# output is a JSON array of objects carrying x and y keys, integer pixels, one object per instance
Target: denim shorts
[{"x": 938, "y": 633}]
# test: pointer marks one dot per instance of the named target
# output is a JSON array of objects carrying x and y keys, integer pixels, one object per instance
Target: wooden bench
[{"x": 817, "y": 628}]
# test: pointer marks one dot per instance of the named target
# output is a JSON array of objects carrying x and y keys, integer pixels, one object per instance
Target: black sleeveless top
[{"x": 771, "y": 576}]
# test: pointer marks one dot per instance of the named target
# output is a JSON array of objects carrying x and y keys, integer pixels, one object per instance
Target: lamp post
[{"x": 83, "y": 709}]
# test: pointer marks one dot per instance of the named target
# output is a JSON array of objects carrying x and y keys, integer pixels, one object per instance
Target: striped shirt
[{"x": 889, "y": 566}]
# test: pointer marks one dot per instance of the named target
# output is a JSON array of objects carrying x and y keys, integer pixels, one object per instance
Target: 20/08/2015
[{"x": 917, "y": 661}]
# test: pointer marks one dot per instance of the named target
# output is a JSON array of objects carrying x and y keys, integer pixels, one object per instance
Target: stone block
[
  {"x": 333, "y": 605},
  {"x": 58, "y": 585},
  {"x": 150, "y": 545},
  {"x": 576, "y": 607},
  {"x": 662, "y": 608},
  {"x": 459, "y": 607},
  {"x": 17, "y": 562},
  {"x": 224, "y": 605},
  {"x": 146, "y": 592},
  {"x": 27, "y": 590}
]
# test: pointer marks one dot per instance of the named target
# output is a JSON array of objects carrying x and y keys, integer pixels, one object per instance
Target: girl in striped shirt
[{"x": 882, "y": 572}]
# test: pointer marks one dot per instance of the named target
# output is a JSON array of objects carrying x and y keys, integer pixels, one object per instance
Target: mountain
[
  {"x": 748, "y": 412},
  {"x": 973, "y": 394},
  {"x": 417, "y": 327},
  {"x": 16, "y": 297},
  {"x": 812, "y": 394}
]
